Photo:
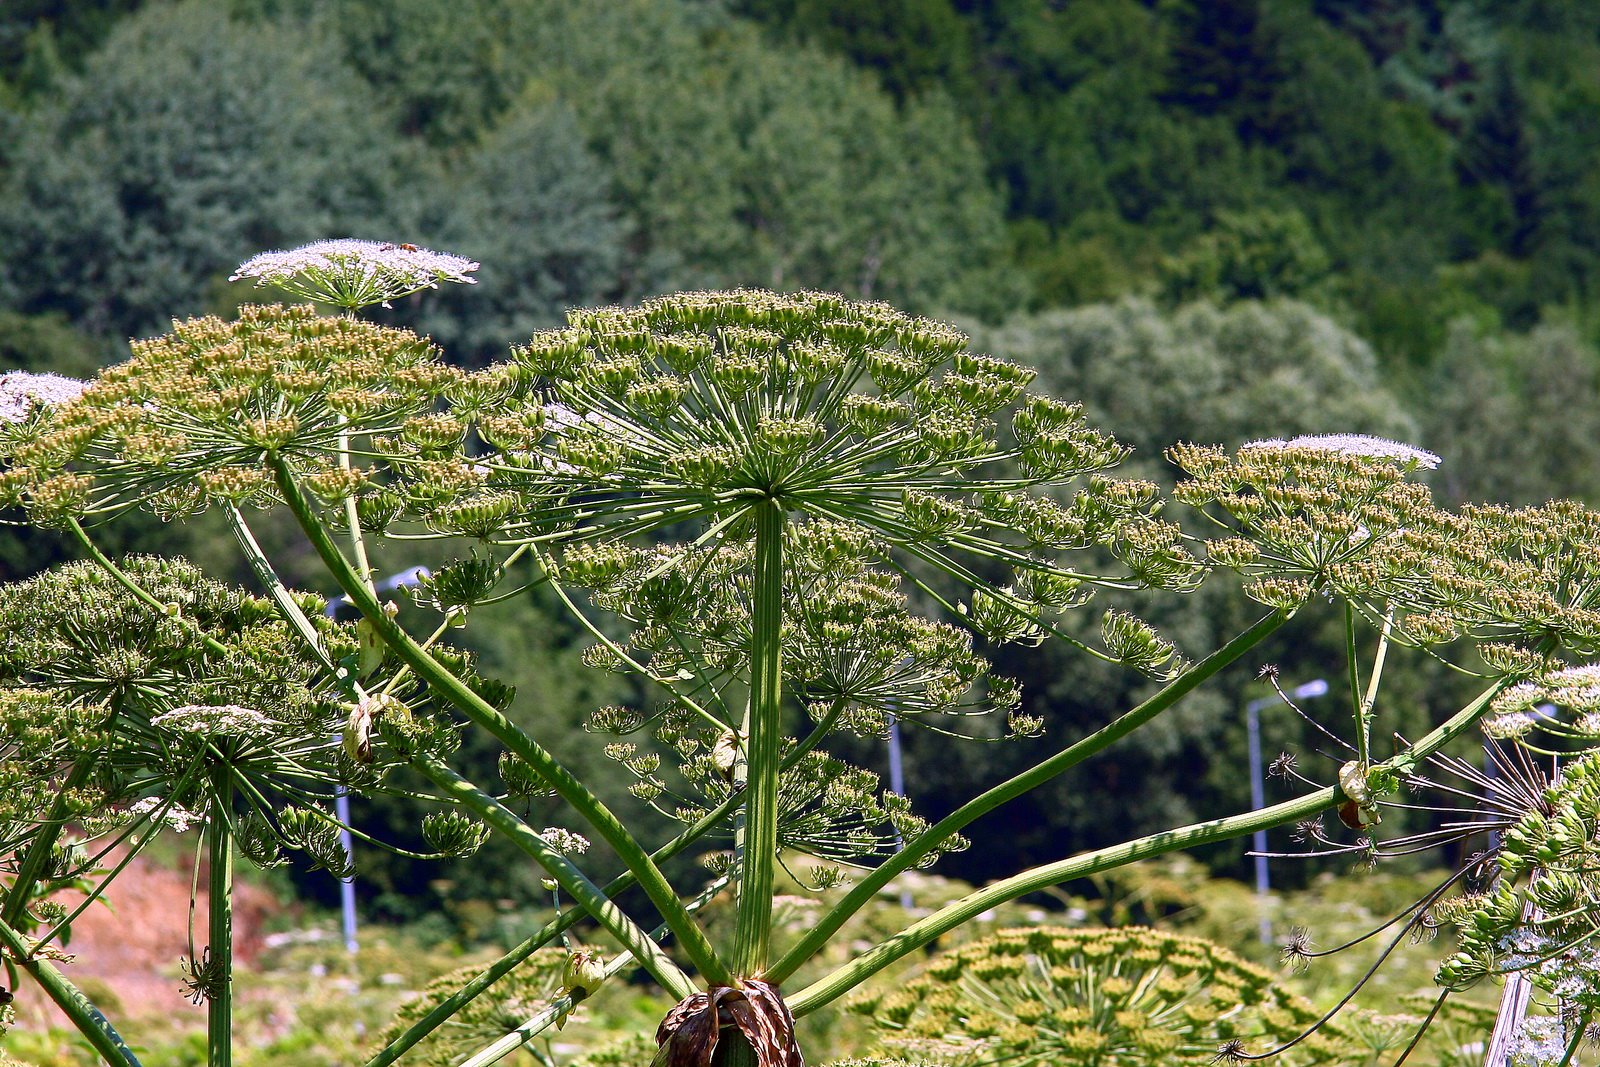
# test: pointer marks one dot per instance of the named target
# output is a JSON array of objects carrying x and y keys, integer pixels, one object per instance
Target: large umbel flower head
[
  {"x": 352, "y": 274},
  {"x": 704, "y": 403},
  {"x": 1119, "y": 998},
  {"x": 693, "y": 411},
  {"x": 188, "y": 420},
  {"x": 1339, "y": 515},
  {"x": 155, "y": 710}
]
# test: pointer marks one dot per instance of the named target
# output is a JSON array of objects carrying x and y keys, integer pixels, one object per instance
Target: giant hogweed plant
[{"x": 790, "y": 517}]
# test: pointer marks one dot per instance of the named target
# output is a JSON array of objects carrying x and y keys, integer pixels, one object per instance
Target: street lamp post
[
  {"x": 897, "y": 784},
  {"x": 1252, "y": 714},
  {"x": 341, "y": 796}
]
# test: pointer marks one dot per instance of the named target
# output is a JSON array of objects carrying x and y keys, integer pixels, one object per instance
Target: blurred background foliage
[{"x": 1214, "y": 220}]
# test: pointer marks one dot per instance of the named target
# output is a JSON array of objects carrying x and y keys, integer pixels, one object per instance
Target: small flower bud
[{"x": 585, "y": 972}]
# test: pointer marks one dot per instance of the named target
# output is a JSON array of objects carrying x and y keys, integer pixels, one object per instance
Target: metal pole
[
  {"x": 347, "y": 886},
  {"x": 1252, "y": 713},
  {"x": 1258, "y": 843},
  {"x": 897, "y": 785},
  {"x": 341, "y": 811},
  {"x": 341, "y": 796}
]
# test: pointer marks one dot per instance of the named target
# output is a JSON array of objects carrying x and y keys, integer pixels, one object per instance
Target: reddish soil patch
[{"x": 132, "y": 948}]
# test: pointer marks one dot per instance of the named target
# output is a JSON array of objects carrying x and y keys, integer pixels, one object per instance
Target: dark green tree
[
  {"x": 1249, "y": 255},
  {"x": 1197, "y": 373},
  {"x": 36, "y": 35},
  {"x": 1225, "y": 59},
  {"x": 532, "y": 204},
  {"x": 1496, "y": 151},
  {"x": 913, "y": 45},
  {"x": 190, "y": 141},
  {"x": 448, "y": 71},
  {"x": 736, "y": 162},
  {"x": 1518, "y": 414}
]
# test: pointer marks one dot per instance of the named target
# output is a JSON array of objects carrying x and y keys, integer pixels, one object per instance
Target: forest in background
[{"x": 1210, "y": 221}]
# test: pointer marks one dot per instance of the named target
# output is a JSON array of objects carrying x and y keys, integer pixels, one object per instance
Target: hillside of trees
[{"x": 1209, "y": 220}]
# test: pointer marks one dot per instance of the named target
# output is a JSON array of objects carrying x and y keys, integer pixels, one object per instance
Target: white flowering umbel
[
  {"x": 212, "y": 720},
  {"x": 21, "y": 391},
  {"x": 353, "y": 274},
  {"x": 1526, "y": 705},
  {"x": 565, "y": 841},
  {"x": 1543, "y": 1042},
  {"x": 1354, "y": 444},
  {"x": 173, "y": 815}
]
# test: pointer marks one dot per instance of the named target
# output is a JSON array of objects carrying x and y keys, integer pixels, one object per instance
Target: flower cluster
[
  {"x": 854, "y": 652},
  {"x": 827, "y": 808},
  {"x": 1540, "y": 917},
  {"x": 1523, "y": 574},
  {"x": 1309, "y": 519},
  {"x": 42, "y": 736},
  {"x": 152, "y": 705},
  {"x": 1547, "y": 1041},
  {"x": 1119, "y": 998},
  {"x": 21, "y": 392},
  {"x": 180, "y": 819},
  {"x": 565, "y": 841},
  {"x": 1520, "y": 708},
  {"x": 1352, "y": 444},
  {"x": 700, "y": 405},
  {"x": 214, "y": 721},
  {"x": 353, "y": 274},
  {"x": 1314, "y": 520},
  {"x": 188, "y": 421}
]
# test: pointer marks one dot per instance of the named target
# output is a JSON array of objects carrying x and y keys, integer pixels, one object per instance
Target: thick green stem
[
  {"x": 447, "y": 1008},
  {"x": 867, "y": 888},
  {"x": 958, "y": 912},
  {"x": 219, "y": 906},
  {"x": 1579, "y": 1033},
  {"x": 691, "y": 937},
  {"x": 1370, "y": 699},
  {"x": 588, "y": 895},
  {"x": 94, "y": 1026},
  {"x": 1354, "y": 672},
  {"x": 267, "y": 575},
  {"x": 753, "y": 923}
]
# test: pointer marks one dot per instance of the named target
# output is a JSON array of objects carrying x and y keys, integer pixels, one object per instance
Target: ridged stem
[
  {"x": 94, "y": 1026},
  {"x": 447, "y": 1008},
  {"x": 759, "y": 846},
  {"x": 691, "y": 937},
  {"x": 219, "y": 906},
  {"x": 954, "y": 914},
  {"x": 267, "y": 575}
]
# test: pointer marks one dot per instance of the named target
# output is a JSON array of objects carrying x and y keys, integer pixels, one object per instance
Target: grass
[{"x": 305, "y": 1003}]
